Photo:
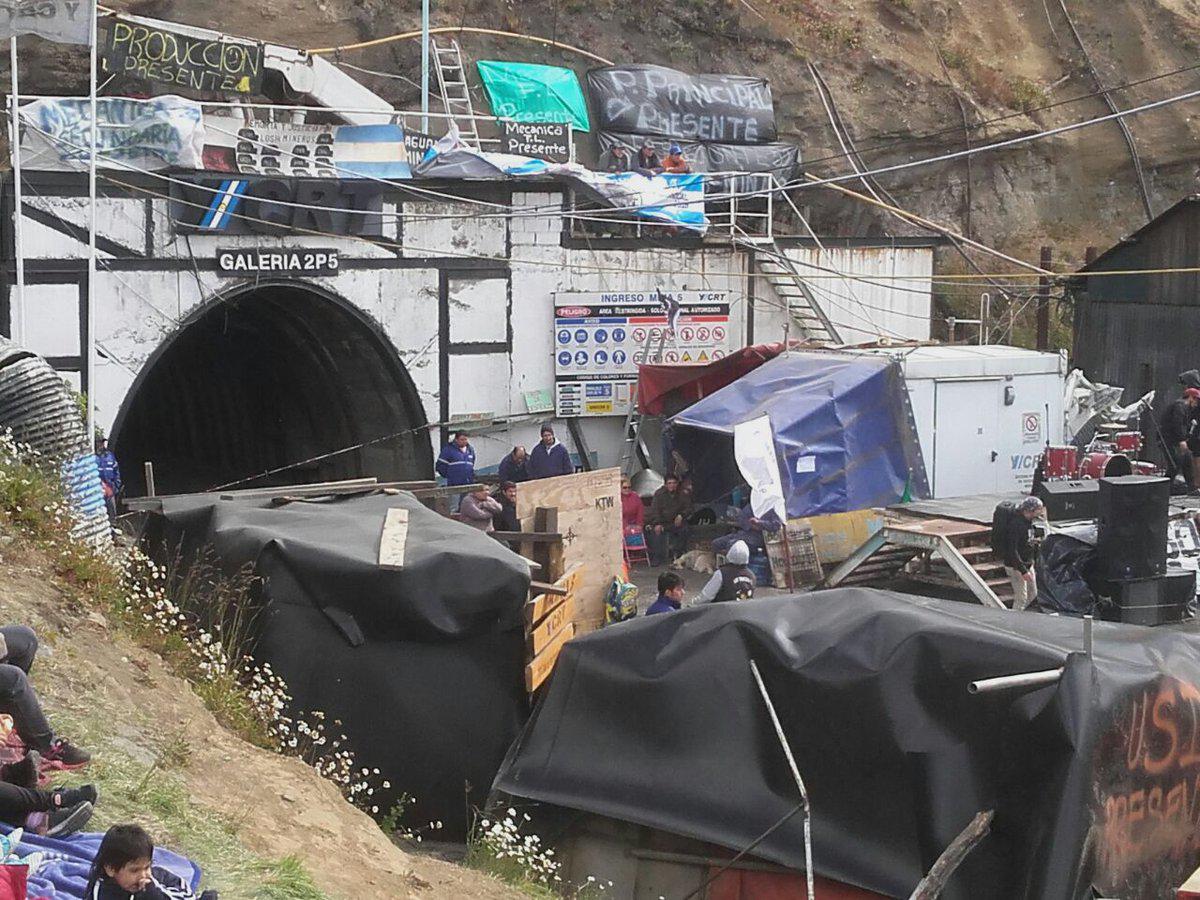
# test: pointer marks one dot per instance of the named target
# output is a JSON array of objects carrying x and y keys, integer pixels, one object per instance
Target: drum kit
[{"x": 1111, "y": 452}]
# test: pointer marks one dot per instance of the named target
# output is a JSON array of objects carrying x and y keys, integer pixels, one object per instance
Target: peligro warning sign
[{"x": 600, "y": 338}]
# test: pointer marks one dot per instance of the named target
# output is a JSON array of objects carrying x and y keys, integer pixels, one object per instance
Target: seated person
[
  {"x": 633, "y": 511},
  {"x": 124, "y": 870},
  {"x": 647, "y": 162},
  {"x": 670, "y": 594},
  {"x": 506, "y": 519},
  {"x": 732, "y": 581},
  {"x": 616, "y": 159},
  {"x": 56, "y": 812},
  {"x": 18, "y": 646},
  {"x": 666, "y": 526},
  {"x": 750, "y": 530},
  {"x": 477, "y": 509},
  {"x": 674, "y": 163}
]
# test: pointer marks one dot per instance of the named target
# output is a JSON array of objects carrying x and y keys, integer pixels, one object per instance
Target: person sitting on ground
[
  {"x": 18, "y": 647},
  {"x": 1015, "y": 548},
  {"x": 633, "y": 511},
  {"x": 124, "y": 870},
  {"x": 751, "y": 531},
  {"x": 512, "y": 467},
  {"x": 674, "y": 163},
  {"x": 478, "y": 508},
  {"x": 731, "y": 581},
  {"x": 506, "y": 519},
  {"x": 549, "y": 458},
  {"x": 666, "y": 526},
  {"x": 56, "y": 812},
  {"x": 647, "y": 162},
  {"x": 616, "y": 159},
  {"x": 670, "y": 594}
]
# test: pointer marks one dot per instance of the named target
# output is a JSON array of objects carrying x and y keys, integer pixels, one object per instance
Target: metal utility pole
[
  {"x": 425, "y": 66},
  {"x": 1043, "y": 302}
]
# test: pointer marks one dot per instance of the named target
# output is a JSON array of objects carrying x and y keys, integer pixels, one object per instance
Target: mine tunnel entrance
[{"x": 264, "y": 378}]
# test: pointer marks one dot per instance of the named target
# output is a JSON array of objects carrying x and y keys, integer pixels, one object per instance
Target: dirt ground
[{"x": 278, "y": 806}]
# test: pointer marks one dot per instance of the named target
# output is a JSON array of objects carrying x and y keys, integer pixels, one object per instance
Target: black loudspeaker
[
  {"x": 1070, "y": 499},
  {"x": 1154, "y": 601},
  {"x": 1131, "y": 539}
]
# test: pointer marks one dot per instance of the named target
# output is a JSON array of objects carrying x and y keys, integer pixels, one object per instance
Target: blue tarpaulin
[{"x": 844, "y": 437}]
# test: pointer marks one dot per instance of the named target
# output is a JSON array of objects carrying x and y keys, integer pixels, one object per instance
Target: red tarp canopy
[{"x": 665, "y": 390}]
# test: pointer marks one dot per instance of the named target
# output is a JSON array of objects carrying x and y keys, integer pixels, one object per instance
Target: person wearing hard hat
[
  {"x": 674, "y": 163},
  {"x": 731, "y": 581}
]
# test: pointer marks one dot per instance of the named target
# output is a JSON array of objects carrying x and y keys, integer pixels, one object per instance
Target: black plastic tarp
[
  {"x": 423, "y": 665},
  {"x": 654, "y": 100},
  {"x": 658, "y": 721}
]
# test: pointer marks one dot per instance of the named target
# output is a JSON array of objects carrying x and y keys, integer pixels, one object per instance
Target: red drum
[
  {"x": 1128, "y": 442},
  {"x": 1060, "y": 462},
  {"x": 1141, "y": 467},
  {"x": 1101, "y": 464}
]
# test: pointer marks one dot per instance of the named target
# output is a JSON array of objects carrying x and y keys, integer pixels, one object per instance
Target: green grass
[{"x": 153, "y": 793}]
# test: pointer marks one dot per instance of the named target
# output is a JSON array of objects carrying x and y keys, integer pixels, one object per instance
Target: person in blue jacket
[
  {"x": 456, "y": 463},
  {"x": 549, "y": 458},
  {"x": 110, "y": 475},
  {"x": 670, "y": 594}
]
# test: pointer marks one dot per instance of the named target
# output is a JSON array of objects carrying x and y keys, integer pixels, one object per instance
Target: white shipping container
[{"x": 983, "y": 414}]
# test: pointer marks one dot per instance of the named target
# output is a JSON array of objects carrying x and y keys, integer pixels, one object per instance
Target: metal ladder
[
  {"x": 456, "y": 96},
  {"x": 634, "y": 447},
  {"x": 804, "y": 309}
]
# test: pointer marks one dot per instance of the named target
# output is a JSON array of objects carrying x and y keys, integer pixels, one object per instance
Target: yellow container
[{"x": 837, "y": 535}]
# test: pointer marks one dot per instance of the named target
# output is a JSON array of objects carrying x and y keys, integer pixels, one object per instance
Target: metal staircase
[
  {"x": 456, "y": 96},
  {"x": 804, "y": 309}
]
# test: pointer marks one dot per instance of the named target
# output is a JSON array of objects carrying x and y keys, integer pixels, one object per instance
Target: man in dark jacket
[
  {"x": 549, "y": 458},
  {"x": 1014, "y": 547},
  {"x": 666, "y": 525},
  {"x": 670, "y": 594},
  {"x": 512, "y": 467},
  {"x": 616, "y": 159},
  {"x": 732, "y": 581},
  {"x": 506, "y": 519},
  {"x": 647, "y": 162},
  {"x": 1174, "y": 431}
]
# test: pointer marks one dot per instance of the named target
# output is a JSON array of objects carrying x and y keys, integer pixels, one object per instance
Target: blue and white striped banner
[{"x": 224, "y": 205}]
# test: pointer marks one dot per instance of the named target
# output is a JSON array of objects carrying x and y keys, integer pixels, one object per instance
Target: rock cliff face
[{"x": 906, "y": 76}]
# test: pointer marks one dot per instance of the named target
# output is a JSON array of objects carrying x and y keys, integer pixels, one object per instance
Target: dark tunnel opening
[{"x": 269, "y": 377}]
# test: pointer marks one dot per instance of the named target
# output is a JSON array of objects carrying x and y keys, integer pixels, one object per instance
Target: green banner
[{"x": 527, "y": 92}]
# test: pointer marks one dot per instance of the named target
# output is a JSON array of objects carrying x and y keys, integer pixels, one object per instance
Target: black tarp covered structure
[
  {"x": 423, "y": 665},
  {"x": 658, "y": 721}
]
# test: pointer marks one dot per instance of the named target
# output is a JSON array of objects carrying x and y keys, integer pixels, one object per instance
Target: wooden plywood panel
[
  {"x": 589, "y": 519},
  {"x": 543, "y": 664},
  {"x": 394, "y": 539}
]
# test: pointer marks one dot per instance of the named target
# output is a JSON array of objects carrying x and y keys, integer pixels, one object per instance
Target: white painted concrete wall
[{"x": 137, "y": 310}]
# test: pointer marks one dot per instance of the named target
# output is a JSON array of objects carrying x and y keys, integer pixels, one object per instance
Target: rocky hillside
[{"x": 906, "y": 76}]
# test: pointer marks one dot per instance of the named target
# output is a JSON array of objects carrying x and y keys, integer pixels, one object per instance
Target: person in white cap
[{"x": 732, "y": 581}]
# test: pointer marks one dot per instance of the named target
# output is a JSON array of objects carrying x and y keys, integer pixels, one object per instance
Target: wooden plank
[
  {"x": 531, "y": 537},
  {"x": 572, "y": 579},
  {"x": 557, "y": 619},
  {"x": 539, "y": 669},
  {"x": 589, "y": 519},
  {"x": 426, "y": 493},
  {"x": 543, "y": 588},
  {"x": 393, "y": 539},
  {"x": 536, "y": 609}
]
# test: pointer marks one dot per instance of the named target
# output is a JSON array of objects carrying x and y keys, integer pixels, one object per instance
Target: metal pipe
[
  {"x": 791, "y": 760},
  {"x": 425, "y": 66},
  {"x": 149, "y": 469},
  {"x": 1008, "y": 682},
  {"x": 1087, "y": 636},
  {"x": 17, "y": 317}
]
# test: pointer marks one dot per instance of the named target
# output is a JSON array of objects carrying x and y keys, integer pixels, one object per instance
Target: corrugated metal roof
[{"x": 1137, "y": 235}]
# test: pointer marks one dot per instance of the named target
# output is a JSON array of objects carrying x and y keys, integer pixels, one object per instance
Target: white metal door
[{"x": 966, "y": 452}]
